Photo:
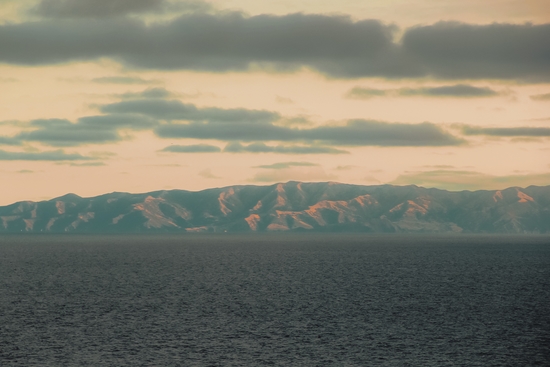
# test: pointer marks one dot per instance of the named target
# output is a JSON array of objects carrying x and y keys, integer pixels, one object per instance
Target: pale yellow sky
[{"x": 73, "y": 90}]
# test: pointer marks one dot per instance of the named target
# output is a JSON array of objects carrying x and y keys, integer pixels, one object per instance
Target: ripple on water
[{"x": 336, "y": 300}]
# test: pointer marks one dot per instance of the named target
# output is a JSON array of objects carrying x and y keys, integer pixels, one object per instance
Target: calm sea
[{"x": 286, "y": 300}]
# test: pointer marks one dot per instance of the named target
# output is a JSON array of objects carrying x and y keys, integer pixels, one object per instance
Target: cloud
[
  {"x": 207, "y": 173},
  {"x": 6, "y": 140},
  {"x": 541, "y": 97},
  {"x": 496, "y": 51},
  {"x": 85, "y": 164},
  {"x": 284, "y": 165},
  {"x": 112, "y": 8},
  {"x": 506, "y": 131},
  {"x": 469, "y": 180},
  {"x": 294, "y": 121},
  {"x": 87, "y": 130},
  {"x": 345, "y": 168},
  {"x": 455, "y": 91},
  {"x": 174, "y": 119},
  {"x": 365, "y": 93},
  {"x": 198, "y": 148},
  {"x": 353, "y": 133},
  {"x": 95, "y": 8},
  {"x": 331, "y": 44},
  {"x": 150, "y": 93},
  {"x": 235, "y": 147},
  {"x": 122, "y": 80},
  {"x": 176, "y": 110},
  {"x": 54, "y": 155}
]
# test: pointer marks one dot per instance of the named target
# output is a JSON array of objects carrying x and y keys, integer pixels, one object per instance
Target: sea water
[{"x": 279, "y": 300}]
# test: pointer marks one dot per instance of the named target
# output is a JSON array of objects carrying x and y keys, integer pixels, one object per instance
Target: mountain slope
[{"x": 291, "y": 206}]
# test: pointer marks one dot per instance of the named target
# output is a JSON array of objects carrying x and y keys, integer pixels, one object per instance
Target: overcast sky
[{"x": 99, "y": 96}]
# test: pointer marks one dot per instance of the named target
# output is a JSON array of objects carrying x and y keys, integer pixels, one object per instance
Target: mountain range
[{"x": 291, "y": 206}]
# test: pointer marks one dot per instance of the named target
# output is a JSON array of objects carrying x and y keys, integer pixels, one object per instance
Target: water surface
[{"x": 301, "y": 300}]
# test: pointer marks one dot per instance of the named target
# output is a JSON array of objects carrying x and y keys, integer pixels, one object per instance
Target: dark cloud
[
  {"x": 55, "y": 155},
  {"x": 498, "y": 51},
  {"x": 236, "y": 147},
  {"x": 230, "y": 125},
  {"x": 354, "y": 133},
  {"x": 122, "y": 80},
  {"x": 294, "y": 121},
  {"x": 95, "y": 8},
  {"x": 284, "y": 165},
  {"x": 456, "y": 91},
  {"x": 150, "y": 93},
  {"x": 6, "y": 140},
  {"x": 334, "y": 45},
  {"x": 541, "y": 97},
  {"x": 113, "y": 8},
  {"x": 115, "y": 121},
  {"x": 506, "y": 131},
  {"x": 378, "y": 133},
  {"x": 87, "y": 130},
  {"x": 176, "y": 110},
  {"x": 197, "y": 148}
]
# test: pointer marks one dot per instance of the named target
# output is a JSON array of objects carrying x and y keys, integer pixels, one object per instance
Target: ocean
[{"x": 274, "y": 300}]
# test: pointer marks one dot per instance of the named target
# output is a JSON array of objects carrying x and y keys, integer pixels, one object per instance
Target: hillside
[{"x": 292, "y": 206}]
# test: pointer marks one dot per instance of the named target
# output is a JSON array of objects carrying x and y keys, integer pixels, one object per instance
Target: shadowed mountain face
[{"x": 292, "y": 206}]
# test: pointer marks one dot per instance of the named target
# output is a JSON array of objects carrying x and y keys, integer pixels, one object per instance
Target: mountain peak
[{"x": 68, "y": 197}]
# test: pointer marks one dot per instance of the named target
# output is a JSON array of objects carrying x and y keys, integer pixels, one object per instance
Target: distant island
[{"x": 291, "y": 206}]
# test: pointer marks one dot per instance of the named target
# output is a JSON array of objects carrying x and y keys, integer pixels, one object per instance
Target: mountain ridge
[{"x": 290, "y": 206}]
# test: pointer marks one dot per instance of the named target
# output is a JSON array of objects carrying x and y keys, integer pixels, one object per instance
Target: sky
[{"x": 98, "y": 96}]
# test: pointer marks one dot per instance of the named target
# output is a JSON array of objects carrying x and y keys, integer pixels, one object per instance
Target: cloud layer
[
  {"x": 244, "y": 130},
  {"x": 95, "y": 8},
  {"x": 176, "y": 110},
  {"x": 353, "y": 133},
  {"x": 55, "y": 155},
  {"x": 259, "y": 126},
  {"x": 506, "y": 131},
  {"x": 87, "y": 130},
  {"x": 236, "y": 147},
  {"x": 195, "y": 148},
  {"x": 455, "y": 91},
  {"x": 333, "y": 45}
]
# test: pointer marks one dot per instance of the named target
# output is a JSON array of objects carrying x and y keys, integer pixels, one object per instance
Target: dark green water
[{"x": 322, "y": 300}]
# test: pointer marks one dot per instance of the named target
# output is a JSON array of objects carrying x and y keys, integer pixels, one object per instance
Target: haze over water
[{"x": 303, "y": 300}]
